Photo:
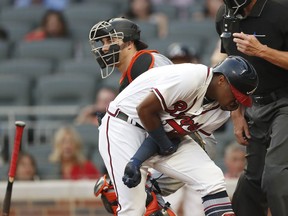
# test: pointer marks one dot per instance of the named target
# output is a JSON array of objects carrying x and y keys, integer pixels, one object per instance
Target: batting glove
[{"x": 132, "y": 174}]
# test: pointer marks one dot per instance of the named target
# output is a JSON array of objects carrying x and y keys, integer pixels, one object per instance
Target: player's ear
[
  {"x": 221, "y": 80},
  {"x": 130, "y": 45}
]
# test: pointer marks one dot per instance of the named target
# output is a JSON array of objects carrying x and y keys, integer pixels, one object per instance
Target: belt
[
  {"x": 270, "y": 97},
  {"x": 126, "y": 118}
]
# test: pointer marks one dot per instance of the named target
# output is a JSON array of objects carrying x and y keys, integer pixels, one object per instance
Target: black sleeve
[{"x": 141, "y": 65}]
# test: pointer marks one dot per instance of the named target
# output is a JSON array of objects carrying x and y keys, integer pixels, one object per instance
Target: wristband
[
  {"x": 160, "y": 137},
  {"x": 147, "y": 149}
]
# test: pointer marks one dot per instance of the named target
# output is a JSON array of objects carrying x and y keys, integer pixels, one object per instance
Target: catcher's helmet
[
  {"x": 116, "y": 28},
  {"x": 241, "y": 75}
]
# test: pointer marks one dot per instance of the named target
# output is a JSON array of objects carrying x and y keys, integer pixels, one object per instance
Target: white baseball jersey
[{"x": 181, "y": 89}]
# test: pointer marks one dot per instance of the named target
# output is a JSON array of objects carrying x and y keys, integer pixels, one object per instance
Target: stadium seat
[
  {"x": 65, "y": 89},
  {"x": 98, "y": 161},
  {"x": 119, "y": 5},
  {"x": 41, "y": 153},
  {"x": 80, "y": 30},
  {"x": 53, "y": 49},
  {"x": 14, "y": 90},
  {"x": 169, "y": 10},
  {"x": 180, "y": 29},
  {"x": 85, "y": 66},
  {"x": 148, "y": 30},
  {"x": 196, "y": 8},
  {"x": 4, "y": 47},
  {"x": 223, "y": 138},
  {"x": 193, "y": 30},
  {"x": 5, "y": 3},
  {"x": 86, "y": 50},
  {"x": 29, "y": 15},
  {"x": 161, "y": 45},
  {"x": 30, "y": 68},
  {"x": 4, "y": 170},
  {"x": 88, "y": 13},
  {"x": 113, "y": 80},
  {"x": 89, "y": 136},
  {"x": 16, "y": 30}
]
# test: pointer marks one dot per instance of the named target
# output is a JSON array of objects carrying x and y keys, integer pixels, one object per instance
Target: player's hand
[
  {"x": 241, "y": 129},
  {"x": 132, "y": 174},
  {"x": 172, "y": 148}
]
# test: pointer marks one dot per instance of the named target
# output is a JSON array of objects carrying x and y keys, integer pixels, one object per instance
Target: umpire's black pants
[{"x": 266, "y": 176}]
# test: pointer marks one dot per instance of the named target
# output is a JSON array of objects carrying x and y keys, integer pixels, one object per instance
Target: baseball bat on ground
[{"x": 13, "y": 164}]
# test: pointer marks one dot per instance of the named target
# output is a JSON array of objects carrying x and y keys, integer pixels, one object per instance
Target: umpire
[{"x": 258, "y": 31}]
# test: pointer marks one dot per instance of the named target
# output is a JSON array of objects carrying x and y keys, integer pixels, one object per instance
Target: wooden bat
[{"x": 13, "y": 164}]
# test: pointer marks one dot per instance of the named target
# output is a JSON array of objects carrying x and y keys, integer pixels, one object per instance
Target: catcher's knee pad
[
  {"x": 108, "y": 195},
  {"x": 154, "y": 206},
  {"x": 155, "y": 209}
]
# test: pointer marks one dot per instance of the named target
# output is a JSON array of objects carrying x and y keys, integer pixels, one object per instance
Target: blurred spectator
[
  {"x": 68, "y": 153},
  {"x": 56, "y": 4},
  {"x": 181, "y": 5},
  {"x": 234, "y": 160},
  {"x": 49, "y": 4},
  {"x": 142, "y": 10},
  {"x": 26, "y": 168},
  {"x": 53, "y": 25},
  {"x": 27, "y": 3},
  {"x": 89, "y": 114},
  {"x": 210, "y": 10},
  {"x": 180, "y": 53},
  {"x": 3, "y": 34}
]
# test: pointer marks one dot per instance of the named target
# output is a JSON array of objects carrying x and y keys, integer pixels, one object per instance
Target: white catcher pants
[{"x": 118, "y": 142}]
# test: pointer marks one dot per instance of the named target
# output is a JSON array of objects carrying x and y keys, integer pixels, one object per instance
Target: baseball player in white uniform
[
  {"x": 167, "y": 100},
  {"x": 178, "y": 194}
]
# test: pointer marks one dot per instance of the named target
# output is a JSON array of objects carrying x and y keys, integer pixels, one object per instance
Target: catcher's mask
[
  {"x": 236, "y": 5},
  {"x": 233, "y": 15},
  {"x": 114, "y": 30}
]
